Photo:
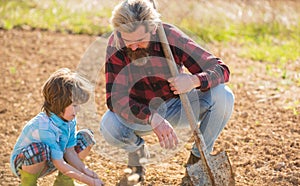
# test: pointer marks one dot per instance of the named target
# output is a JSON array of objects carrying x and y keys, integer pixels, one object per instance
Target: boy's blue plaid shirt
[{"x": 52, "y": 131}]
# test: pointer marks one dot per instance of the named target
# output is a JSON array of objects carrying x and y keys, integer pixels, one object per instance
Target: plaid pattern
[
  {"x": 85, "y": 138},
  {"x": 39, "y": 152},
  {"x": 32, "y": 154},
  {"x": 130, "y": 88}
]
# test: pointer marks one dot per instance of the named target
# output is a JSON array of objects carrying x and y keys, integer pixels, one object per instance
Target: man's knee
[
  {"x": 105, "y": 123},
  {"x": 114, "y": 131},
  {"x": 229, "y": 95},
  {"x": 222, "y": 94}
]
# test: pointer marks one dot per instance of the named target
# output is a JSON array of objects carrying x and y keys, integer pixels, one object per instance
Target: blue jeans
[{"x": 212, "y": 110}]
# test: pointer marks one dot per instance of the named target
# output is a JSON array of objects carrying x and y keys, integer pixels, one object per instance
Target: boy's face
[{"x": 70, "y": 112}]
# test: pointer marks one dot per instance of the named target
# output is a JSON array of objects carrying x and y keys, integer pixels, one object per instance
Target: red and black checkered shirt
[{"x": 130, "y": 88}]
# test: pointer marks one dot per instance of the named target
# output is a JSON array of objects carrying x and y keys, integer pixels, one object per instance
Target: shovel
[{"x": 212, "y": 170}]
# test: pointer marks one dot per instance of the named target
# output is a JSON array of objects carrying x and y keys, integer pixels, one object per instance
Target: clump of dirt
[{"x": 262, "y": 137}]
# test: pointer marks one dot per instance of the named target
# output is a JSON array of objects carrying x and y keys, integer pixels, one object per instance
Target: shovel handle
[{"x": 199, "y": 140}]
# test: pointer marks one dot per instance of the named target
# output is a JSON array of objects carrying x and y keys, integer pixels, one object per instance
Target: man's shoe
[
  {"x": 135, "y": 173},
  {"x": 192, "y": 159},
  {"x": 137, "y": 159},
  {"x": 138, "y": 170},
  {"x": 186, "y": 181}
]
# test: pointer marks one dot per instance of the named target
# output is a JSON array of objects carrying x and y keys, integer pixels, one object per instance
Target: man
[{"x": 141, "y": 94}]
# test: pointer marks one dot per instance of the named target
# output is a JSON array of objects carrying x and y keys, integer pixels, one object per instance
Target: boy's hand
[
  {"x": 90, "y": 173},
  {"x": 98, "y": 182}
]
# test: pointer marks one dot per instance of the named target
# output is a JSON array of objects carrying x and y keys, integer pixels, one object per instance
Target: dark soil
[{"x": 262, "y": 137}]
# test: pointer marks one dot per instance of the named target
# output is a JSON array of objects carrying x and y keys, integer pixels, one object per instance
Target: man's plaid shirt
[{"x": 130, "y": 88}]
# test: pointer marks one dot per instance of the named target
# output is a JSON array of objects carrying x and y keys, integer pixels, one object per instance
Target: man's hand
[
  {"x": 164, "y": 131},
  {"x": 183, "y": 83}
]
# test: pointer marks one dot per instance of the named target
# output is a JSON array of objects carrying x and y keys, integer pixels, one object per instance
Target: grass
[
  {"x": 273, "y": 40},
  {"x": 12, "y": 70},
  {"x": 265, "y": 30},
  {"x": 53, "y": 16}
]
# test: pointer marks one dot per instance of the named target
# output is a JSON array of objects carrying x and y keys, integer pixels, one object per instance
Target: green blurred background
[{"x": 264, "y": 30}]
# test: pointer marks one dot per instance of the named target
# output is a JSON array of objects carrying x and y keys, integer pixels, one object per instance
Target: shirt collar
[{"x": 57, "y": 120}]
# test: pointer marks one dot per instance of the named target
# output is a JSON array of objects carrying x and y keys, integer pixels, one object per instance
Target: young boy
[{"x": 49, "y": 141}]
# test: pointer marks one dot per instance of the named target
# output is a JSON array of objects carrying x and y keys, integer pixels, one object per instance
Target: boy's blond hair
[
  {"x": 62, "y": 89},
  {"x": 130, "y": 14}
]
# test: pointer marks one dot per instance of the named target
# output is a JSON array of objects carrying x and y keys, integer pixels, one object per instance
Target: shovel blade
[{"x": 220, "y": 167}]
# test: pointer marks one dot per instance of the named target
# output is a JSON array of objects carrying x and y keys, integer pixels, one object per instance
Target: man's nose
[{"x": 134, "y": 46}]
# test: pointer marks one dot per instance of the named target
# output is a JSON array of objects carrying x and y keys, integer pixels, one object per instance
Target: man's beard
[{"x": 139, "y": 57}]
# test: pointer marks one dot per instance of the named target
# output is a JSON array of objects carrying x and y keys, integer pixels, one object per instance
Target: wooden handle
[
  {"x": 174, "y": 72},
  {"x": 199, "y": 140}
]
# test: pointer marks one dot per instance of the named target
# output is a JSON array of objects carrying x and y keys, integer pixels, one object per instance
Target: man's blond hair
[{"x": 130, "y": 14}]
